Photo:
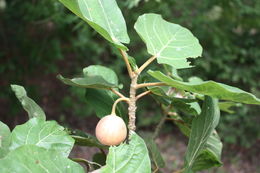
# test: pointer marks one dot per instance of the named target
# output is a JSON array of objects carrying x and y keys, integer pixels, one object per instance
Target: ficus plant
[{"x": 43, "y": 146}]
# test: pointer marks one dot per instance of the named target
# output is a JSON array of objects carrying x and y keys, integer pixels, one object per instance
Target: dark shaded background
[{"x": 40, "y": 39}]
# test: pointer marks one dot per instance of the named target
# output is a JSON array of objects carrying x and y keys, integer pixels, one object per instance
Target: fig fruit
[{"x": 111, "y": 130}]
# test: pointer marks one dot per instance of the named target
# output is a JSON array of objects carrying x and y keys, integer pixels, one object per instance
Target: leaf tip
[
  {"x": 18, "y": 90},
  {"x": 60, "y": 77}
]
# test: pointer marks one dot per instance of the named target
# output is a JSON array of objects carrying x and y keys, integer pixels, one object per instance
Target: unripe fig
[{"x": 111, "y": 130}]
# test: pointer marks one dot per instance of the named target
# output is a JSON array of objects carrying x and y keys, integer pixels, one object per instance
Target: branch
[
  {"x": 149, "y": 61},
  {"x": 172, "y": 113},
  {"x": 142, "y": 94},
  {"x": 156, "y": 169},
  {"x": 178, "y": 171},
  {"x": 115, "y": 103},
  {"x": 178, "y": 121},
  {"x": 87, "y": 163},
  {"x": 132, "y": 104},
  {"x": 117, "y": 93},
  {"x": 128, "y": 66},
  {"x": 150, "y": 84},
  {"x": 163, "y": 119}
]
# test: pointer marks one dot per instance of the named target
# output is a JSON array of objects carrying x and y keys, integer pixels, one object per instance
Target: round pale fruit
[{"x": 111, "y": 130}]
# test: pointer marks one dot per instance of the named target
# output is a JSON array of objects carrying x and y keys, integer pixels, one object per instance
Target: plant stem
[
  {"x": 117, "y": 93},
  {"x": 115, "y": 103},
  {"x": 156, "y": 169},
  {"x": 87, "y": 162},
  {"x": 179, "y": 171},
  {"x": 133, "y": 87},
  {"x": 150, "y": 84},
  {"x": 178, "y": 121},
  {"x": 163, "y": 119},
  {"x": 142, "y": 94},
  {"x": 128, "y": 66},
  {"x": 132, "y": 103},
  {"x": 149, "y": 61},
  {"x": 159, "y": 126},
  {"x": 80, "y": 160}
]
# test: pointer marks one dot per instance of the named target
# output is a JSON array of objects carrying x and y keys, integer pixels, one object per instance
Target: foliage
[
  {"x": 200, "y": 134},
  {"x": 173, "y": 47},
  {"x": 51, "y": 143},
  {"x": 39, "y": 160},
  {"x": 132, "y": 157}
]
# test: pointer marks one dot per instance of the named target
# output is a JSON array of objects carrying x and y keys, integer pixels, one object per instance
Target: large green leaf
[
  {"x": 95, "y": 76},
  {"x": 87, "y": 82},
  {"x": 201, "y": 129},
  {"x": 102, "y": 15},
  {"x": 106, "y": 73},
  {"x": 172, "y": 44},
  {"x": 47, "y": 134},
  {"x": 132, "y": 157},
  {"x": 83, "y": 139},
  {"x": 28, "y": 104},
  {"x": 33, "y": 159},
  {"x": 189, "y": 106},
  {"x": 5, "y": 135},
  {"x": 171, "y": 71},
  {"x": 210, "y": 156},
  {"x": 211, "y": 88},
  {"x": 227, "y": 106},
  {"x": 102, "y": 102}
]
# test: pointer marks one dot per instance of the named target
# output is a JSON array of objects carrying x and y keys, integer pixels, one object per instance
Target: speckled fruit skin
[{"x": 111, "y": 130}]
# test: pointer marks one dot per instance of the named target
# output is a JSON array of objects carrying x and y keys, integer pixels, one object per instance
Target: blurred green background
[{"x": 40, "y": 39}]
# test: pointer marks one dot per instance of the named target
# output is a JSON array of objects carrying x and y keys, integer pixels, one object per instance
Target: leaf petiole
[
  {"x": 117, "y": 93},
  {"x": 149, "y": 61},
  {"x": 150, "y": 84},
  {"x": 128, "y": 66},
  {"x": 142, "y": 94}
]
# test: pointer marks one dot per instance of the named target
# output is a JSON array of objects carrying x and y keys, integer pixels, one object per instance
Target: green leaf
[
  {"x": 192, "y": 108},
  {"x": 103, "y": 16},
  {"x": 155, "y": 153},
  {"x": 132, "y": 157},
  {"x": 132, "y": 63},
  {"x": 33, "y": 159},
  {"x": 84, "y": 139},
  {"x": 171, "y": 71},
  {"x": 195, "y": 79},
  {"x": 210, "y": 88},
  {"x": 102, "y": 102},
  {"x": 201, "y": 129},
  {"x": 87, "y": 82},
  {"x": 175, "y": 75},
  {"x": 28, "y": 104},
  {"x": 227, "y": 106},
  {"x": 184, "y": 128},
  {"x": 171, "y": 93},
  {"x": 172, "y": 44},
  {"x": 211, "y": 155},
  {"x": 106, "y": 73},
  {"x": 5, "y": 135},
  {"x": 46, "y": 134},
  {"x": 95, "y": 76},
  {"x": 189, "y": 106}
]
